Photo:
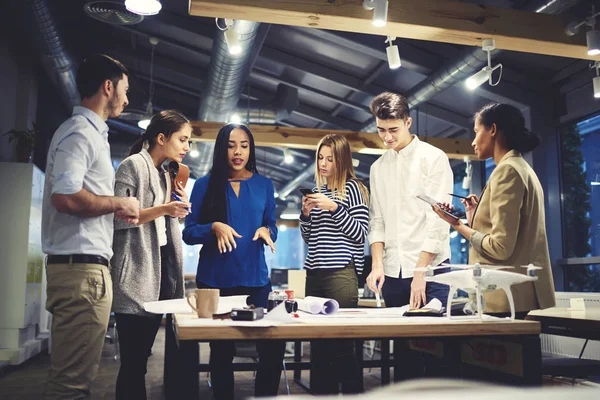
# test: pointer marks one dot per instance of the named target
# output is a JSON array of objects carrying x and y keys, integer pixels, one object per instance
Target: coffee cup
[{"x": 204, "y": 302}]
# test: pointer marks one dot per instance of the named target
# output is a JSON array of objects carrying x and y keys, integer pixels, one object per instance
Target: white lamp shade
[
  {"x": 233, "y": 43},
  {"x": 593, "y": 42},
  {"x": 597, "y": 87},
  {"x": 476, "y": 80},
  {"x": 380, "y": 13},
  {"x": 143, "y": 7},
  {"x": 393, "y": 56},
  {"x": 143, "y": 123}
]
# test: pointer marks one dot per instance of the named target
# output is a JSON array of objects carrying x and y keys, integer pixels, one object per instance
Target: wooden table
[
  {"x": 561, "y": 321},
  {"x": 471, "y": 344}
]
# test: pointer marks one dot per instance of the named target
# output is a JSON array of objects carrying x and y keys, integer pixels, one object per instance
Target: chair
[{"x": 571, "y": 367}]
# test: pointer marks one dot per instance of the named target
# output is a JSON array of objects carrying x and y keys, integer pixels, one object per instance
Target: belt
[{"x": 77, "y": 259}]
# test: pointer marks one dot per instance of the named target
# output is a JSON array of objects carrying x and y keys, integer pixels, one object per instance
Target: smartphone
[
  {"x": 306, "y": 192},
  {"x": 454, "y": 214}
]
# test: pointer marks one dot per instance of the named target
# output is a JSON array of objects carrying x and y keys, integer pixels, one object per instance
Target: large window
[
  {"x": 459, "y": 246},
  {"x": 581, "y": 201}
]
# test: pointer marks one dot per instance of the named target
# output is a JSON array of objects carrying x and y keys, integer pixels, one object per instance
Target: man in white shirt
[{"x": 404, "y": 232}]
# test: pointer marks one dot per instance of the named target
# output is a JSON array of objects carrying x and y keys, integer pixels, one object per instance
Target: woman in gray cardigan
[{"x": 147, "y": 264}]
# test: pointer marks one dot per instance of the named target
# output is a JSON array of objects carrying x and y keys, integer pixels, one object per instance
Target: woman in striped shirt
[{"x": 334, "y": 224}]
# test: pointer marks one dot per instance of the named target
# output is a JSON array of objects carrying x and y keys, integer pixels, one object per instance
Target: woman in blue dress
[{"x": 233, "y": 217}]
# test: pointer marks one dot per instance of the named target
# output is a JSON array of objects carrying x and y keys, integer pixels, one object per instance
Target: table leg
[
  {"x": 385, "y": 361},
  {"x": 170, "y": 361},
  {"x": 188, "y": 374},
  {"x": 532, "y": 360},
  {"x": 297, "y": 358}
]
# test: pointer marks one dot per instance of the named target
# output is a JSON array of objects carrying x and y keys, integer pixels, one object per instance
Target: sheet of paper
[
  {"x": 275, "y": 317},
  {"x": 181, "y": 306}
]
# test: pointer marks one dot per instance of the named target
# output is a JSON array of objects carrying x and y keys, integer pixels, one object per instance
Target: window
[
  {"x": 459, "y": 246},
  {"x": 581, "y": 202}
]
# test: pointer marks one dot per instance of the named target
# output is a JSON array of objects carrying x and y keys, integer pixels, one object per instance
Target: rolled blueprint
[{"x": 318, "y": 305}]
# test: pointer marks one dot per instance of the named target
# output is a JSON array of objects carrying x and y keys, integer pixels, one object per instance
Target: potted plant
[{"x": 25, "y": 139}]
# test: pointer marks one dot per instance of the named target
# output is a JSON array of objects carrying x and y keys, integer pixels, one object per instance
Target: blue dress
[{"x": 245, "y": 266}]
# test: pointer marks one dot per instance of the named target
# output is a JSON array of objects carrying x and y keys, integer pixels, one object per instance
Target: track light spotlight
[
  {"x": 288, "y": 157},
  {"x": 592, "y": 36},
  {"x": 143, "y": 7},
  {"x": 194, "y": 151},
  {"x": 596, "y": 80},
  {"x": 233, "y": 43},
  {"x": 393, "y": 55},
  {"x": 380, "y": 11},
  {"x": 593, "y": 42},
  {"x": 477, "y": 79}
]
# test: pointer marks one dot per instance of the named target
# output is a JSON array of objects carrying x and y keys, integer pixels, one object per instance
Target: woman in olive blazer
[{"x": 507, "y": 224}]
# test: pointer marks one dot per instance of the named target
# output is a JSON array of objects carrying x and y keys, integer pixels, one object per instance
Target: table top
[
  {"x": 349, "y": 329},
  {"x": 589, "y": 314}
]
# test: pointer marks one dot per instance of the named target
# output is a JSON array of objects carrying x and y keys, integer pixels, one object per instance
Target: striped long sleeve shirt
[{"x": 334, "y": 239}]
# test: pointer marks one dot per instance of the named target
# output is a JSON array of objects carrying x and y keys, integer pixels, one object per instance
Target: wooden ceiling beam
[
  {"x": 435, "y": 20},
  {"x": 308, "y": 139}
]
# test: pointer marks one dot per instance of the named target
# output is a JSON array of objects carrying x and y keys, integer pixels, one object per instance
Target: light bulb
[
  {"x": 476, "y": 80},
  {"x": 143, "y": 123},
  {"x": 143, "y": 7}
]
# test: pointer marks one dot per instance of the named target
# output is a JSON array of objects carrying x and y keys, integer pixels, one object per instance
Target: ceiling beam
[
  {"x": 308, "y": 138},
  {"x": 434, "y": 20}
]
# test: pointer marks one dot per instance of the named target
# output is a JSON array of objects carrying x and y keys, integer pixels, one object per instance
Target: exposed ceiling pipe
[
  {"x": 278, "y": 109},
  {"x": 471, "y": 61},
  {"x": 306, "y": 174},
  {"x": 57, "y": 62}
]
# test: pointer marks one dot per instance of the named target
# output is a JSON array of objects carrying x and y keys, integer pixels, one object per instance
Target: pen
[
  {"x": 377, "y": 298},
  {"x": 177, "y": 198},
  {"x": 460, "y": 197}
]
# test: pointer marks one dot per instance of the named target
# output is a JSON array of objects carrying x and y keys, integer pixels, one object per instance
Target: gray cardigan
[{"x": 136, "y": 264}]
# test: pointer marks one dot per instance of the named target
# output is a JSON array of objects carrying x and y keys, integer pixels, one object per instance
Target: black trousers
[
  {"x": 270, "y": 353},
  {"x": 136, "y": 337},
  {"x": 333, "y": 361}
]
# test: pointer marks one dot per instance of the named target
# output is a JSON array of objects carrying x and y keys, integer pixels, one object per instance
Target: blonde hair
[{"x": 343, "y": 170}]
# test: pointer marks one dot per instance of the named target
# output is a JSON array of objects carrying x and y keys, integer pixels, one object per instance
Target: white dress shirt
[
  {"x": 78, "y": 158},
  {"x": 405, "y": 224}
]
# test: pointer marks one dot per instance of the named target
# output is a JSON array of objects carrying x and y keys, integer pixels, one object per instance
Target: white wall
[{"x": 18, "y": 96}]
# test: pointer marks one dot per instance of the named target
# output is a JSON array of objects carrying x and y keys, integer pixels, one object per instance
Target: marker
[
  {"x": 177, "y": 198},
  {"x": 377, "y": 299}
]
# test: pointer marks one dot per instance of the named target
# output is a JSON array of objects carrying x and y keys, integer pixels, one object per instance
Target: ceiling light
[
  {"x": 236, "y": 119},
  {"x": 143, "y": 7},
  {"x": 355, "y": 162},
  {"x": 194, "y": 151},
  {"x": 145, "y": 120},
  {"x": 393, "y": 55},
  {"x": 282, "y": 227},
  {"x": 380, "y": 11},
  {"x": 593, "y": 42},
  {"x": 477, "y": 79},
  {"x": 291, "y": 212},
  {"x": 276, "y": 195},
  {"x": 231, "y": 38},
  {"x": 288, "y": 157},
  {"x": 143, "y": 123},
  {"x": 596, "y": 80}
]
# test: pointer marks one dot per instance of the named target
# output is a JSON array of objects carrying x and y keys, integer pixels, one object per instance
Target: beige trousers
[{"x": 79, "y": 299}]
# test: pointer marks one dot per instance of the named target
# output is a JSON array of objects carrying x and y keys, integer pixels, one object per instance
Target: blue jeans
[{"x": 396, "y": 291}]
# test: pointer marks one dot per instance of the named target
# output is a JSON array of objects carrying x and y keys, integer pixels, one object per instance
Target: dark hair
[
  {"x": 389, "y": 105},
  {"x": 215, "y": 205},
  {"x": 511, "y": 125},
  {"x": 95, "y": 70},
  {"x": 166, "y": 122}
]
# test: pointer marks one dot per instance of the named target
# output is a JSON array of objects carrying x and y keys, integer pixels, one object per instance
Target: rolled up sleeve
[
  {"x": 376, "y": 221},
  {"x": 74, "y": 156}
]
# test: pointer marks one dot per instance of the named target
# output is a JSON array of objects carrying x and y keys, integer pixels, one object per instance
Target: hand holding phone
[{"x": 305, "y": 192}]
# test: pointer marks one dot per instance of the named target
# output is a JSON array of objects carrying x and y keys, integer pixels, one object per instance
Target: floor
[{"x": 27, "y": 380}]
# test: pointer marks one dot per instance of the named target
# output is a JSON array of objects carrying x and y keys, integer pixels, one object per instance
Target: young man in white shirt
[{"x": 404, "y": 232}]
